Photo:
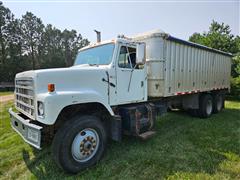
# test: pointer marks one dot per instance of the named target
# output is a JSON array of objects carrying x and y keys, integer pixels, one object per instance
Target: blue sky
[{"x": 179, "y": 18}]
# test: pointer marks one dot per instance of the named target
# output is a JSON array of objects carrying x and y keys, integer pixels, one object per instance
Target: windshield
[{"x": 97, "y": 55}]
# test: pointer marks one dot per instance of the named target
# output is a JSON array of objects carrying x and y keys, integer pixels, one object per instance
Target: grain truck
[{"x": 115, "y": 88}]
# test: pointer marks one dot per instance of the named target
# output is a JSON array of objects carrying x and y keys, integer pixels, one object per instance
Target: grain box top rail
[{"x": 160, "y": 33}]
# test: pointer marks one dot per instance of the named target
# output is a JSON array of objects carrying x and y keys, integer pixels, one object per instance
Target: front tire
[{"x": 79, "y": 143}]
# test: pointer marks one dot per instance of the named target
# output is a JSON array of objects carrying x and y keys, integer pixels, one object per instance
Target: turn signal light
[{"x": 51, "y": 87}]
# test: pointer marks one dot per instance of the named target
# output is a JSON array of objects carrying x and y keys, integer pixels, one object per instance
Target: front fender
[{"x": 55, "y": 102}]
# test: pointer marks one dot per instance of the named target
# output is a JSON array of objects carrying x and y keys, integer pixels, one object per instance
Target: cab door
[{"x": 131, "y": 78}]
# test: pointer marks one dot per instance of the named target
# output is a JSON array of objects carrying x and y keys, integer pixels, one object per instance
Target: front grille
[{"x": 24, "y": 96}]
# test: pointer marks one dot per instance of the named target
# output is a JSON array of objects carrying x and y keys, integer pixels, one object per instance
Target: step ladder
[{"x": 147, "y": 135}]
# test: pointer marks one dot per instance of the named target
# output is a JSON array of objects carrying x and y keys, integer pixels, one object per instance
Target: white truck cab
[
  {"x": 116, "y": 87},
  {"x": 104, "y": 73}
]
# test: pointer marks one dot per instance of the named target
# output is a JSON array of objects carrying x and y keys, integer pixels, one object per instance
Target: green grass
[
  {"x": 184, "y": 148},
  {"x": 5, "y": 93}
]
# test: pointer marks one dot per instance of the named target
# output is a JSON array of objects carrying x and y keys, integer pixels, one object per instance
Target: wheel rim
[
  {"x": 219, "y": 103},
  {"x": 209, "y": 107},
  {"x": 85, "y": 145}
]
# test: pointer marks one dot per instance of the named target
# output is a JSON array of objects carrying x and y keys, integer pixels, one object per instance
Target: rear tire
[
  {"x": 79, "y": 143},
  {"x": 218, "y": 103},
  {"x": 205, "y": 106}
]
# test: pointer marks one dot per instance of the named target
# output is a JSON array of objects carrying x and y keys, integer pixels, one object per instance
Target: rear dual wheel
[
  {"x": 205, "y": 106},
  {"x": 208, "y": 104},
  {"x": 218, "y": 102}
]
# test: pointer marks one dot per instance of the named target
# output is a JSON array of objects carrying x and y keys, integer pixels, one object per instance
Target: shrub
[{"x": 235, "y": 86}]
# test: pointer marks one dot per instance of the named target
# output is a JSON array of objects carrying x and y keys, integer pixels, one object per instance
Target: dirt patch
[{"x": 6, "y": 98}]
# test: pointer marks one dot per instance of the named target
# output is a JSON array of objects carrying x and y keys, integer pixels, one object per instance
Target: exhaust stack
[{"x": 98, "y": 36}]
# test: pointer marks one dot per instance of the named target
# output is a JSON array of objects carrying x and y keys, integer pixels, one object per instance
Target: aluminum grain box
[{"x": 176, "y": 66}]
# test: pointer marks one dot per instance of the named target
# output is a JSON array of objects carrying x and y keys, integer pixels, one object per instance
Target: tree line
[{"x": 26, "y": 43}]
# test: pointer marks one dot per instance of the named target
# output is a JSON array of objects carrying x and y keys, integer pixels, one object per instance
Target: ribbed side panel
[{"x": 189, "y": 69}]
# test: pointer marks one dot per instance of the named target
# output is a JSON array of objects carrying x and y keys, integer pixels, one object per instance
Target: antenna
[{"x": 98, "y": 36}]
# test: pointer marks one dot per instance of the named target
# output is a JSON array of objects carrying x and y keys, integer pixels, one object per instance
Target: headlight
[{"x": 40, "y": 108}]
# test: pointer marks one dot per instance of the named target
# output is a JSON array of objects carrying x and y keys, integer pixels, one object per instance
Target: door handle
[
  {"x": 111, "y": 84},
  {"x": 126, "y": 70}
]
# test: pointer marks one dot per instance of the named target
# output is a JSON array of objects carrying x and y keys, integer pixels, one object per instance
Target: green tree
[
  {"x": 32, "y": 31},
  {"x": 71, "y": 42},
  {"x": 26, "y": 43},
  {"x": 54, "y": 55},
  {"x": 6, "y": 17},
  {"x": 219, "y": 37},
  {"x": 11, "y": 60}
]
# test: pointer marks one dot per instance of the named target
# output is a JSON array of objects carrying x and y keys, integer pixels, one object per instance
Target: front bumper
[{"x": 30, "y": 133}]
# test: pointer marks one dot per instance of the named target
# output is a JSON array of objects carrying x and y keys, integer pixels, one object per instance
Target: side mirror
[{"x": 140, "y": 55}]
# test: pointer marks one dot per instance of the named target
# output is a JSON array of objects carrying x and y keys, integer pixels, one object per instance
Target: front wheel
[{"x": 79, "y": 143}]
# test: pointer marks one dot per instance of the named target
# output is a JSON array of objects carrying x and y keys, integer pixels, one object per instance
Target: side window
[{"x": 127, "y": 57}]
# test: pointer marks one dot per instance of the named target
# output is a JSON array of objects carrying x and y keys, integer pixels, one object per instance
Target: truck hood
[
  {"x": 76, "y": 78},
  {"x": 83, "y": 67}
]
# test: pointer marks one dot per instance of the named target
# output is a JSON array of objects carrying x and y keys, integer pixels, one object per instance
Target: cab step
[{"x": 147, "y": 135}]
